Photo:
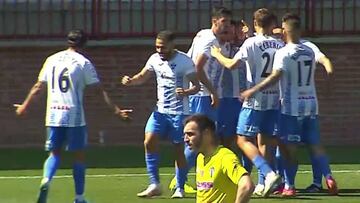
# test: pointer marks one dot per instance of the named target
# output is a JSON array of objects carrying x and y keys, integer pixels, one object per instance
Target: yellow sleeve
[{"x": 232, "y": 168}]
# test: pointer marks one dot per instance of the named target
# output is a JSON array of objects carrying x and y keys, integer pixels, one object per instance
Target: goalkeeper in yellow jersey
[{"x": 219, "y": 175}]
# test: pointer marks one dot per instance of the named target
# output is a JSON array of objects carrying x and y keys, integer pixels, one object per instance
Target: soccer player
[
  {"x": 316, "y": 186},
  {"x": 219, "y": 175},
  {"x": 322, "y": 59},
  {"x": 174, "y": 70},
  {"x": 258, "y": 114},
  {"x": 232, "y": 82},
  {"x": 65, "y": 75},
  {"x": 208, "y": 70},
  {"x": 294, "y": 66}
]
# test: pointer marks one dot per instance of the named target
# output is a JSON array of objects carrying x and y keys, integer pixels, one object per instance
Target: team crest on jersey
[
  {"x": 172, "y": 66},
  {"x": 212, "y": 170}
]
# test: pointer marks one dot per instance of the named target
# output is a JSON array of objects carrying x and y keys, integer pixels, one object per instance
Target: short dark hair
[
  {"x": 166, "y": 35},
  {"x": 76, "y": 38},
  {"x": 236, "y": 23},
  {"x": 264, "y": 18},
  {"x": 220, "y": 11},
  {"x": 293, "y": 20},
  {"x": 202, "y": 121}
]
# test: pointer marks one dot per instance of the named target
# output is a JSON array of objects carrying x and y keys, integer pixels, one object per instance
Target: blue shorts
[
  {"x": 74, "y": 138},
  {"x": 166, "y": 125},
  {"x": 202, "y": 105},
  {"x": 296, "y": 129},
  {"x": 251, "y": 122},
  {"x": 228, "y": 115}
]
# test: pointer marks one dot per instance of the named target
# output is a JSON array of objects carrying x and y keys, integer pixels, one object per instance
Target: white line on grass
[{"x": 141, "y": 175}]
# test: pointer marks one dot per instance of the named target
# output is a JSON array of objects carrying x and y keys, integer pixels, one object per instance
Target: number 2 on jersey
[
  {"x": 267, "y": 65},
  {"x": 63, "y": 80}
]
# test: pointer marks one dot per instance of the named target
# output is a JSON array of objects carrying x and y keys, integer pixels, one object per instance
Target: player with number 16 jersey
[{"x": 67, "y": 73}]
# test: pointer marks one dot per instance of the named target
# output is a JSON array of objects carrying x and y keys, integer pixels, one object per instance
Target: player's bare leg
[
  {"x": 151, "y": 145},
  {"x": 252, "y": 152}
]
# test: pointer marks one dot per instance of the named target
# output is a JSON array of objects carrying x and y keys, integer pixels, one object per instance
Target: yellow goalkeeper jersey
[{"x": 217, "y": 176}]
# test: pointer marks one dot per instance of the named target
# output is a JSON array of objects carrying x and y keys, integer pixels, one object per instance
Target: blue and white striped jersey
[
  {"x": 202, "y": 43},
  {"x": 170, "y": 75},
  {"x": 297, "y": 85},
  {"x": 66, "y": 73},
  {"x": 258, "y": 54}
]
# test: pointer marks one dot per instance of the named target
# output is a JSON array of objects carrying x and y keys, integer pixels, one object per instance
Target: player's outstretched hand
[
  {"x": 126, "y": 80},
  {"x": 215, "y": 51},
  {"x": 20, "y": 109},
  {"x": 214, "y": 100},
  {"x": 124, "y": 114},
  {"x": 246, "y": 95},
  {"x": 180, "y": 92},
  {"x": 245, "y": 28}
]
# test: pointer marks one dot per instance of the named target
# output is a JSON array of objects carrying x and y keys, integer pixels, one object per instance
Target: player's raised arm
[
  {"x": 223, "y": 60},
  {"x": 36, "y": 91},
  {"x": 199, "y": 67},
  {"x": 325, "y": 61},
  {"x": 138, "y": 79}
]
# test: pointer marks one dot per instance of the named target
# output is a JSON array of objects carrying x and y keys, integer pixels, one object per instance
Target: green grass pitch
[{"x": 116, "y": 174}]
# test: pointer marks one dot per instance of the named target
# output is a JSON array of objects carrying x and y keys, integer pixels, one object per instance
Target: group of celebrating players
[{"x": 232, "y": 88}]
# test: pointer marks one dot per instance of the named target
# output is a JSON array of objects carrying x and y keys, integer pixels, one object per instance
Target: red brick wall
[{"x": 19, "y": 67}]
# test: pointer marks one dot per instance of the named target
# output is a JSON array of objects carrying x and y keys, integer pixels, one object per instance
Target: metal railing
[{"x": 102, "y": 19}]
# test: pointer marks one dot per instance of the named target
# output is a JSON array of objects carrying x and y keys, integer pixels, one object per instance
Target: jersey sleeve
[
  {"x": 316, "y": 50},
  {"x": 91, "y": 76},
  {"x": 190, "y": 67},
  {"x": 149, "y": 64},
  {"x": 43, "y": 73},
  {"x": 279, "y": 61},
  {"x": 242, "y": 54},
  {"x": 202, "y": 45},
  {"x": 232, "y": 168}
]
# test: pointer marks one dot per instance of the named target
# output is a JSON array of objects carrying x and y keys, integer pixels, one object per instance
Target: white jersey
[
  {"x": 202, "y": 43},
  {"x": 170, "y": 75},
  {"x": 66, "y": 73},
  {"x": 258, "y": 53},
  {"x": 234, "y": 81},
  {"x": 316, "y": 50},
  {"x": 297, "y": 86}
]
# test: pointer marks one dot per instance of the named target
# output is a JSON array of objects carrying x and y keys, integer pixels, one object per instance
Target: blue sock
[
  {"x": 180, "y": 177},
  {"x": 50, "y": 166},
  {"x": 324, "y": 166},
  {"x": 316, "y": 169},
  {"x": 279, "y": 163},
  {"x": 190, "y": 156},
  {"x": 261, "y": 178},
  {"x": 79, "y": 177},
  {"x": 152, "y": 163},
  {"x": 290, "y": 173},
  {"x": 246, "y": 163},
  {"x": 260, "y": 163}
]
